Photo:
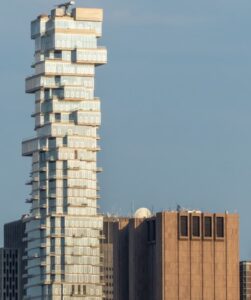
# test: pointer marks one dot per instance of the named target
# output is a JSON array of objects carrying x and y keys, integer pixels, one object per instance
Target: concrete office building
[
  {"x": 64, "y": 228},
  {"x": 245, "y": 280},
  {"x": 10, "y": 274},
  {"x": 14, "y": 240},
  {"x": 177, "y": 255}
]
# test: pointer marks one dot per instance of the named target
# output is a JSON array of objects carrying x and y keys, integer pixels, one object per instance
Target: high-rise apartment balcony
[
  {"x": 68, "y": 93},
  {"x": 29, "y": 146},
  {"x": 58, "y": 68},
  {"x": 86, "y": 118},
  {"x": 62, "y": 41},
  {"x": 94, "y": 56},
  {"x": 29, "y": 182},
  {"x": 69, "y": 106},
  {"x": 38, "y": 26},
  {"x": 59, "y": 25},
  {"x": 35, "y": 83}
]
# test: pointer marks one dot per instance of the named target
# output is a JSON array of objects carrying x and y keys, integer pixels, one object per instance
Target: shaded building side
[
  {"x": 177, "y": 256},
  {"x": 245, "y": 280},
  {"x": 10, "y": 274},
  {"x": 14, "y": 238}
]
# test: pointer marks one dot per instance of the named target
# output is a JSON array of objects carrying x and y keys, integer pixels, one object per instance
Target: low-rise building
[{"x": 176, "y": 255}]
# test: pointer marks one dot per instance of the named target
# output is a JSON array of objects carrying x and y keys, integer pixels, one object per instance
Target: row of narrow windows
[
  {"x": 193, "y": 226},
  {"x": 206, "y": 226},
  {"x": 78, "y": 290},
  {"x": 10, "y": 296}
]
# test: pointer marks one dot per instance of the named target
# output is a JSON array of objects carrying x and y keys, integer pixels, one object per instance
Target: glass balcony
[
  {"x": 93, "y": 56},
  {"x": 38, "y": 26},
  {"x": 69, "y": 106},
  {"x": 70, "y": 25},
  {"x": 29, "y": 146},
  {"x": 35, "y": 83},
  {"x": 64, "y": 41},
  {"x": 59, "y": 68}
]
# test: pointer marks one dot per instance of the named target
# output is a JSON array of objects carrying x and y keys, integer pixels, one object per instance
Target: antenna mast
[{"x": 66, "y": 5}]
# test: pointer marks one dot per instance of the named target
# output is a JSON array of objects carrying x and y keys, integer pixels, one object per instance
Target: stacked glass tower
[{"x": 63, "y": 227}]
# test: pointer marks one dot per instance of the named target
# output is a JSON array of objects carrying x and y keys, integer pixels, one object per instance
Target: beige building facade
[{"x": 177, "y": 256}]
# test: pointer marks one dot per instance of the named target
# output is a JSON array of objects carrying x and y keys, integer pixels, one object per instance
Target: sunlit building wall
[{"x": 64, "y": 227}]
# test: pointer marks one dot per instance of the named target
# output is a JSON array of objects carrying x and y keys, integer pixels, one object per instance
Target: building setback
[
  {"x": 64, "y": 228},
  {"x": 177, "y": 256},
  {"x": 245, "y": 280}
]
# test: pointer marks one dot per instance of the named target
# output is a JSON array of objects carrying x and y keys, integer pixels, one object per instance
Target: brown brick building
[
  {"x": 177, "y": 256},
  {"x": 245, "y": 280}
]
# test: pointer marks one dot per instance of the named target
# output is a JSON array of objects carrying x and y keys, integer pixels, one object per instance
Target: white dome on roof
[{"x": 142, "y": 213}]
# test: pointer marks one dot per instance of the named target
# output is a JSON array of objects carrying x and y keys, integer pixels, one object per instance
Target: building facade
[
  {"x": 245, "y": 280},
  {"x": 107, "y": 257},
  {"x": 15, "y": 240},
  {"x": 10, "y": 274},
  {"x": 115, "y": 258},
  {"x": 121, "y": 259},
  {"x": 64, "y": 228},
  {"x": 177, "y": 256}
]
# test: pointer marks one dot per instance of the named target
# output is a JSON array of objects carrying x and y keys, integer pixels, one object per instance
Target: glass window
[
  {"x": 42, "y": 156},
  {"x": 196, "y": 226},
  {"x": 46, "y": 117},
  {"x": 184, "y": 226},
  {"x": 84, "y": 290},
  {"x": 47, "y": 93},
  {"x": 220, "y": 227},
  {"x": 58, "y": 54},
  {"x": 53, "y": 244},
  {"x": 53, "y": 223},
  {"x": 42, "y": 176},
  {"x": 52, "y": 143},
  {"x": 57, "y": 116},
  {"x": 208, "y": 226}
]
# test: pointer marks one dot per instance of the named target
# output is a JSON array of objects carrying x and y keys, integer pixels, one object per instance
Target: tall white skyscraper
[{"x": 63, "y": 227}]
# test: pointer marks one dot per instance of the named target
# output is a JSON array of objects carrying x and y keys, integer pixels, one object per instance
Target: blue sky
[{"x": 176, "y": 106}]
